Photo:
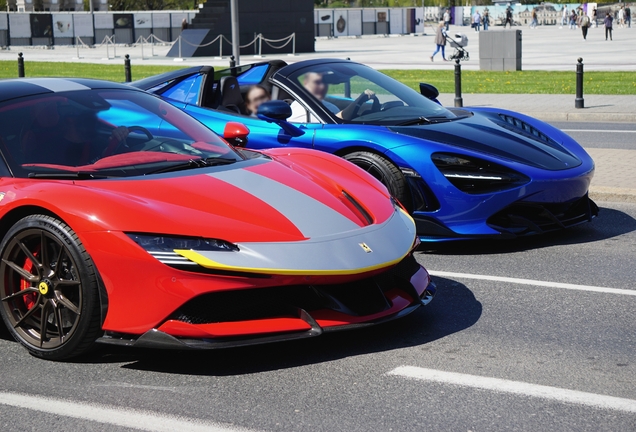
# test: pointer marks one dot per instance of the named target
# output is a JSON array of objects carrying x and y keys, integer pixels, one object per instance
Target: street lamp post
[{"x": 236, "y": 44}]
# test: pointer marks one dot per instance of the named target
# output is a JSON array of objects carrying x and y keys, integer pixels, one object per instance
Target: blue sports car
[{"x": 461, "y": 172}]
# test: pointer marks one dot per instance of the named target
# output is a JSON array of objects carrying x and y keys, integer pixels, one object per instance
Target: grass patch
[
  {"x": 522, "y": 82},
  {"x": 111, "y": 72}
]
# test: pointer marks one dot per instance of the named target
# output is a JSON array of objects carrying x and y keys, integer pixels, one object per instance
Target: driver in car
[{"x": 314, "y": 84}]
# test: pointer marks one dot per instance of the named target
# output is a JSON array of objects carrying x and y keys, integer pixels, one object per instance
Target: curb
[
  {"x": 583, "y": 117},
  {"x": 613, "y": 194}
]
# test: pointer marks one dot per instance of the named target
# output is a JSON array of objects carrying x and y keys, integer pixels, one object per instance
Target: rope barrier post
[
  {"x": 294, "y": 44},
  {"x": 127, "y": 71},
  {"x": 142, "y": 47},
  {"x": 20, "y": 65},
  {"x": 106, "y": 39},
  {"x": 221, "y": 47},
  {"x": 260, "y": 45},
  {"x": 579, "y": 102},
  {"x": 152, "y": 45},
  {"x": 77, "y": 42},
  {"x": 459, "y": 102}
]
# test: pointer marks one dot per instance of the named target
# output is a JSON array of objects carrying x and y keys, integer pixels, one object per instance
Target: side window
[{"x": 186, "y": 91}]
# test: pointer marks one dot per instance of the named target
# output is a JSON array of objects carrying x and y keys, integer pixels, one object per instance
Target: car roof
[{"x": 22, "y": 87}]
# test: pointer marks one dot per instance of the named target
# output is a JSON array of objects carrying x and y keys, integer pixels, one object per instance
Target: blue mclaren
[{"x": 461, "y": 172}]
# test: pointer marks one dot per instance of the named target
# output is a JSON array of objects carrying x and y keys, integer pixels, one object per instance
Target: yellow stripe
[{"x": 208, "y": 263}]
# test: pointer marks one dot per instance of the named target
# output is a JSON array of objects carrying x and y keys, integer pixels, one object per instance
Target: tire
[
  {"x": 384, "y": 170},
  {"x": 49, "y": 297}
]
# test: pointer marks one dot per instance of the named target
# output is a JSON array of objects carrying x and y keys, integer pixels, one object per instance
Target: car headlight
[
  {"x": 165, "y": 243},
  {"x": 477, "y": 176},
  {"x": 162, "y": 247}
]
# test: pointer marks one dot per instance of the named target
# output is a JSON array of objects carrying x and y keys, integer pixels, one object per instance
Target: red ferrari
[{"x": 125, "y": 221}]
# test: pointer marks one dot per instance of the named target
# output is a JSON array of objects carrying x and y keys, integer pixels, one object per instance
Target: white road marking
[
  {"x": 535, "y": 283},
  {"x": 517, "y": 387},
  {"x": 129, "y": 418},
  {"x": 599, "y": 131}
]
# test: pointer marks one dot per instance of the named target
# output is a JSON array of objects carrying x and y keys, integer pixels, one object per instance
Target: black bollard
[
  {"x": 127, "y": 70},
  {"x": 20, "y": 66},
  {"x": 232, "y": 62},
  {"x": 579, "y": 102},
  {"x": 459, "y": 102}
]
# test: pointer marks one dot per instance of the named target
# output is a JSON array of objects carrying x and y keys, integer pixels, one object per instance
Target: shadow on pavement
[
  {"x": 454, "y": 310},
  {"x": 610, "y": 223}
]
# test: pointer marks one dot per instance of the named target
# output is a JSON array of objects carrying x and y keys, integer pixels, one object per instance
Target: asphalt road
[
  {"x": 601, "y": 135},
  {"x": 567, "y": 338}
]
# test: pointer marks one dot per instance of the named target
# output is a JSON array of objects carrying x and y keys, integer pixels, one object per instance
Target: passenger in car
[{"x": 254, "y": 97}]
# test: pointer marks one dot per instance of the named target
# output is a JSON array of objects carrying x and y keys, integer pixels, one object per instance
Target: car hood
[
  {"x": 308, "y": 213},
  {"x": 498, "y": 134}
]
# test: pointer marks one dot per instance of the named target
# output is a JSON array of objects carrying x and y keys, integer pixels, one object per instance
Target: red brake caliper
[{"x": 29, "y": 299}]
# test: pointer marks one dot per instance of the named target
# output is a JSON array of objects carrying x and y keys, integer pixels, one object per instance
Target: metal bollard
[
  {"x": 232, "y": 62},
  {"x": 579, "y": 102},
  {"x": 127, "y": 70},
  {"x": 459, "y": 102},
  {"x": 20, "y": 66}
]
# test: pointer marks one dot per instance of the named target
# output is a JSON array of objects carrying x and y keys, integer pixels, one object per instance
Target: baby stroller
[{"x": 459, "y": 42}]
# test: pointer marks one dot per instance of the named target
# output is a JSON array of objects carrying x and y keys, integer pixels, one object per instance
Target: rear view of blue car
[{"x": 461, "y": 172}]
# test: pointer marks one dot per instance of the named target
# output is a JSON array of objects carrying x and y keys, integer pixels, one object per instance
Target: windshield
[
  {"x": 106, "y": 132},
  {"x": 358, "y": 94}
]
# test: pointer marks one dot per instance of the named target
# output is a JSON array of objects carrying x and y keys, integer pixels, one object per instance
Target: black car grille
[
  {"x": 358, "y": 298},
  {"x": 525, "y": 218}
]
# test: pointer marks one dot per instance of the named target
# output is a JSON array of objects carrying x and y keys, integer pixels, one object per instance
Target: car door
[{"x": 263, "y": 135}]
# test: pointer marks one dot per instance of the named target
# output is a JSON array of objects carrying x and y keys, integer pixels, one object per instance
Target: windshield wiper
[
  {"x": 419, "y": 120},
  {"x": 81, "y": 175},
  {"x": 194, "y": 163}
]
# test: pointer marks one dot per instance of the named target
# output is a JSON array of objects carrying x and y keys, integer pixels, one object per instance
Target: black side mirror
[
  {"x": 429, "y": 91},
  {"x": 278, "y": 111}
]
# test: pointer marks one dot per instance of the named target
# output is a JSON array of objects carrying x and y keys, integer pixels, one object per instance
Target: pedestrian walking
[
  {"x": 447, "y": 18},
  {"x": 534, "y": 22},
  {"x": 573, "y": 17},
  {"x": 440, "y": 40},
  {"x": 621, "y": 17},
  {"x": 608, "y": 25},
  {"x": 628, "y": 16},
  {"x": 476, "y": 21},
  {"x": 508, "y": 17},
  {"x": 564, "y": 16},
  {"x": 486, "y": 19},
  {"x": 594, "y": 18},
  {"x": 585, "y": 24}
]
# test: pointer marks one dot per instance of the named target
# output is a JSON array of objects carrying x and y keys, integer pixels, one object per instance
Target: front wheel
[
  {"x": 384, "y": 170},
  {"x": 49, "y": 296}
]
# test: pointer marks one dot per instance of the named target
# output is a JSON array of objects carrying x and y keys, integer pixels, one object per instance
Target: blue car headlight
[{"x": 477, "y": 176}]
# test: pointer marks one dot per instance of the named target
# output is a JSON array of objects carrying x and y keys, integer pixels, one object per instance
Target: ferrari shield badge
[{"x": 365, "y": 247}]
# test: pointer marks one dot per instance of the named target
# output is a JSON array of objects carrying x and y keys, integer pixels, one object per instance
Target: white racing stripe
[
  {"x": 598, "y": 130},
  {"x": 517, "y": 387},
  {"x": 534, "y": 283},
  {"x": 128, "y": 418}
]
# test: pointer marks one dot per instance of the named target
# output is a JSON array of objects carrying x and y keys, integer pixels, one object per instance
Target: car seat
[{"x": 231, "y": 98}]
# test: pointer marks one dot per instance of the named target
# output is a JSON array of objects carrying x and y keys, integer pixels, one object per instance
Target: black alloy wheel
[{"x": 49, "y": 292}]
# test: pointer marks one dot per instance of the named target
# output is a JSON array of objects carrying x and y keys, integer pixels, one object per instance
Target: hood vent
[{"x": 357, "y": 208}]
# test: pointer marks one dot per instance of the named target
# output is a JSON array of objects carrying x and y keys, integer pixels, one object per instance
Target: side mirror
[
  {"x": 429, "y": 91},
  {"x": 275, "y": 110},
  {"x": 278, "y": 111},
  {"x": 236, "y": 133}
]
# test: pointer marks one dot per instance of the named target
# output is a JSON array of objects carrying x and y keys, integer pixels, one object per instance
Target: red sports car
[{"x": 125, "y": 221}]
